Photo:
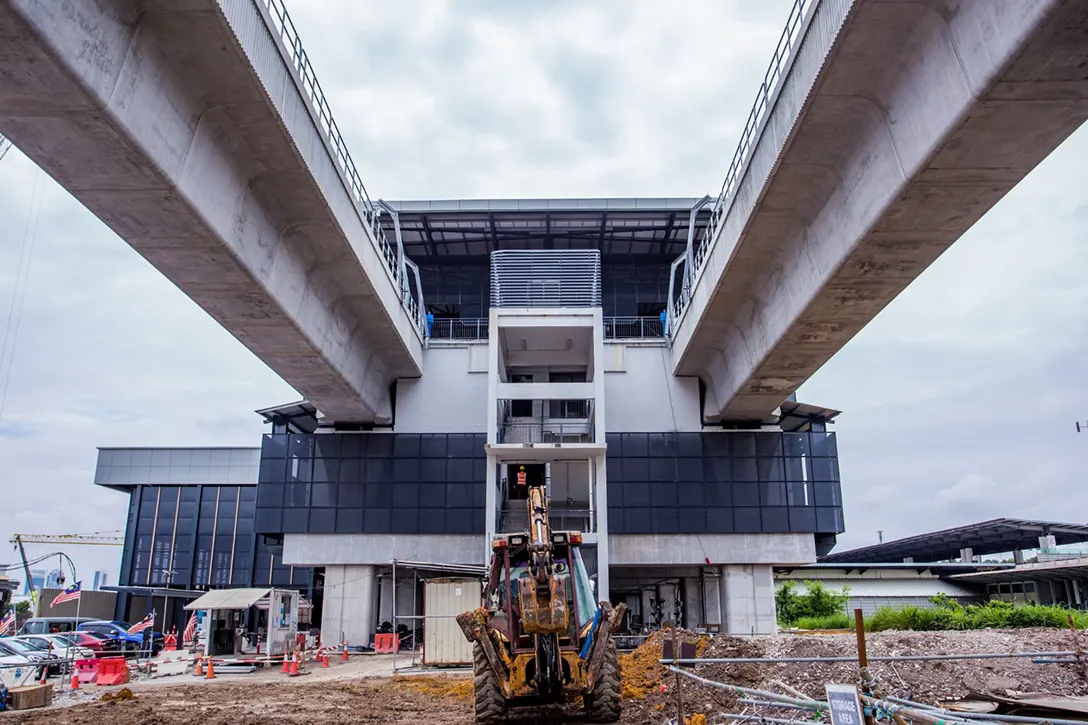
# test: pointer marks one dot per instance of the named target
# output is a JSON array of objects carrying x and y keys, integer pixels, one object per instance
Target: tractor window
[{"x": 586, "y": 607}]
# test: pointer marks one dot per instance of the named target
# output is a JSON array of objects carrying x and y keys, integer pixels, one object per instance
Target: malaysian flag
[
  {"x": 146, "y": 623},
  {"x": 68, "y": 595},
  {"x": 8, "y": 622},
  {"x": 190, "y": 630}
]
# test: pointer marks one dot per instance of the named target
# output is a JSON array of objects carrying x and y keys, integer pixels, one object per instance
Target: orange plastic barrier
[
  {"x": 87, "y": 670},
  {"x": 112, "y": 671},
  {"x": 386, "y": 644}
]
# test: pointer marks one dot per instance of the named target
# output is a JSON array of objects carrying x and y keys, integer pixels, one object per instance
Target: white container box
[{"x": 443, "y": 599}]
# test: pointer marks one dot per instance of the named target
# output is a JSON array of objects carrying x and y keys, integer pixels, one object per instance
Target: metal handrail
[
  {"x": 626, "y": 328},
  {"x": 474, "y": 328},
  {"x": 279, "y": 23},
  {"x": 514, "y": 519},
  {"x": 550, "y": 431},
  {"x": 749, "y": 138}
]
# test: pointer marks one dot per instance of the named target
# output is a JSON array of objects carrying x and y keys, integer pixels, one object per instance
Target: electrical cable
[{"x": 18, "y": 298}]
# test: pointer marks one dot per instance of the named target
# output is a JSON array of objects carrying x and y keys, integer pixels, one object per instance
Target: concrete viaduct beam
[
  {"x": 181, "y": 126},
  {"x": 900, "y": 124}
]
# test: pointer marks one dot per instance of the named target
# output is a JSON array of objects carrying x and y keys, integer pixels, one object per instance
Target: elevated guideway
[
  {"x": 885, "y": 129},
  {"x": 197, "y": 131}
]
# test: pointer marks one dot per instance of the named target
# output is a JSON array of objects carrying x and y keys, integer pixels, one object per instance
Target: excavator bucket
[{"x": 544, "y": 612}]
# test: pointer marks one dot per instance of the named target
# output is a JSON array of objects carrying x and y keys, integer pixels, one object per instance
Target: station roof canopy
[
  {"x": 229, "y": 599},
  {"x": 435, "y": 231},
  {"x": 988, "y": 537},
  {"x": 1075, "y": 568}
]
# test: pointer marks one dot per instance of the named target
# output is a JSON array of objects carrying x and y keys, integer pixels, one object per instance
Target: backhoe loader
[{"x": 540, "y": 637}]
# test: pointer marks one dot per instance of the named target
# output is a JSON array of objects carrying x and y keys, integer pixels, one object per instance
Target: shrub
[
  {"x": 835, "y": 621},
  {"x": 817, "y": 601},
  {"x": 949, "y": 614}
]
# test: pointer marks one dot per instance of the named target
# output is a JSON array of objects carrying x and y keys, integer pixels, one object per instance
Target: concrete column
[
  {"x": 350, "y": 609},
  {"x": 746, "y": 593},
  {"x": 600, "y": 481},
  {"x": 385, "y": 599},
  {"x": 647, "y": 606},
  {"x": 491, "y": 504},
  {"x": 693, "y": 603},
  {"x": 967, "y": 556},
  {"x": 1018, "y": 557},
  {"x": 1047, "y": 542}
]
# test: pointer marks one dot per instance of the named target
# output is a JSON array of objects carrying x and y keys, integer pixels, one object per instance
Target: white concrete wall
[
  {"x": 451, "y": 397},
  {"x": 329, "y": 549},
  {"x": 349, "y": 613},
  {"x": 688, "y": 549},
  {"x": 746, "y": 595},
  {"x": 642, "y": 393}
]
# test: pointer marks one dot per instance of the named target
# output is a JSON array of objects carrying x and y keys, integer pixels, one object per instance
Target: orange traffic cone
[
  {"x": 325, "y": 660},
  {"x": 45, "y": 675},
  {"x": 286, "y": 663},
  {"x": 344, "y": 656},
  {"x": 211, "y": 670},
  {"x": 294, "y": 666},
  {"x": 75, "y": 680},
  {"x": 198, "y": 671}
]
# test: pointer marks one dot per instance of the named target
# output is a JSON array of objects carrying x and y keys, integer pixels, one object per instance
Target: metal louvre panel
[{"x": 546, "y": 278}]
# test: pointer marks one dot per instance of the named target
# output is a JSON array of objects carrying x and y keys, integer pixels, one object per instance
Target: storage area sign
[{"x": 845, "y": 705}]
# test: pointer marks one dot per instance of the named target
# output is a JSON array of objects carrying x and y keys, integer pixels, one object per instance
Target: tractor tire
[
  {"x": 604, "y": 703},
  {"x": 489, "y": 703}
]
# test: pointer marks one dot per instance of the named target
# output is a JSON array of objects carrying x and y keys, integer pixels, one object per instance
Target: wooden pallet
[{"x": 26, "y": 698}]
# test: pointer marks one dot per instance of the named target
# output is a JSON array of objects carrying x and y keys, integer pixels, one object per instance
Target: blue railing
[
  {"x": 749, "y": 139},
  {"x": 279, "y": 22}
]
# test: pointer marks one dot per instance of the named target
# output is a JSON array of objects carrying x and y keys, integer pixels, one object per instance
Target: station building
[{"x": 547, "y": 350}]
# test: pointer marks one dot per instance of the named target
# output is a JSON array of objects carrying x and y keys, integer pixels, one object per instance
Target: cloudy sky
[{"x": 959, "y": 399}]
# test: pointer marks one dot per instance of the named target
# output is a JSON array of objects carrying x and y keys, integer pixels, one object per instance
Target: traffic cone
[
  {"x": 325, "y": 660},
  {"x": 75, "y": 680},
  {"x": 344, "y": 656},
  {"x": 286, "y": 663},
  {"x": 294, "y": 666},
  {"x": 198, "y": 671},
  {"x": 45, "y": 675},
  {"x": 211, "y": 670}
]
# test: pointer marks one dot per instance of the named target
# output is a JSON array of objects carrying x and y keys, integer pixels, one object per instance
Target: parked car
[
  {"x": 97, "y": 643},
  {"x": 22, "y": 653},
  {"x": 61, "y": 645},
  {"x": 52, "y": 625},
  {"x": 117, "y": 631}
]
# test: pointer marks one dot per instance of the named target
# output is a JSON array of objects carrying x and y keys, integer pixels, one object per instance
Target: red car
[{"x": 95, "y": 642}]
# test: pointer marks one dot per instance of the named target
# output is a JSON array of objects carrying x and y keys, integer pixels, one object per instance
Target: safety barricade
[{"x": 112, "y": 671}]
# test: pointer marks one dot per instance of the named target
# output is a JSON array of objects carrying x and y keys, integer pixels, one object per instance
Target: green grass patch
[{"x": 834, "y": 621}]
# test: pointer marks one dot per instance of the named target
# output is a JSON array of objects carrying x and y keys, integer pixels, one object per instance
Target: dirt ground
[{"x": 362, "y": 691}]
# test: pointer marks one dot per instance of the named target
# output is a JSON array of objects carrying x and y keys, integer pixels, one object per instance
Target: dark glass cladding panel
[
  {"x": 663, "y": 494},
  {"x": 404, "y": 521},
  {"x": 687, "y": 494},
  {"x": 637, "y": 521},
  {"x": 665, "y": 520},
  {"x": 459, "y": 469},
  {"x": 432, "y": 494},
  {"x": 746, "y": 520},
  {"x": 692, "y": 520},
  {"x": 719, "y": 519},
  {"x": 301, "y": 446},
  {"x": 327, "y": 445},
  {"x": 823, "y": 444},
  {"x": 829, "y": 520},
  {"x": 802, "y": 519},
  {"x": 349, "y": 521},
  {"x": 323, "y": 495},
  {"x": 406, "y": 495},
  {"x": 432, "y": 470},
  {"x": 717, "y": 469},
  {"x": 689, "y": 469},
  {"x": 715, "y": 444},
  {"x": 636, "y": 469},
  {"x": 459, "y": 521},
  {"x": 351, "y": 445},
  {"x": 662, "y": 469},
  {"x": 745, "y": 469},
  {"x": 718, "y": 493},
  {"x": 462, "y": 445},
  {"x": 662, "y": 445},
  {"x": 379, "y": 495},
  {"x": 406, "y": 469},
  {"x": 378, "y": 445},
  {"x": 378, "y": 521},
  {"x": 614, "y": 441},
  {"x": 326, "y": 469},
  {"x": 322, "y": 521},
  {"x": 300, "y": 469},
  {"x": 379, "y": 470},
  {"x": 432, "y": 521},
  {"x": 768, "y": 444},
  {"x": 775, "y": 519},
  {"x": 406, "y": 445},
  {"x": 433, "y": 445},
  {"x": 795, "y": 444},
  {"x": 296, "y": 521},
  {"x": 770, "y": 469},
  {"x": 351, "y": 470},
  {"x": 274, "y": 446},
  {"x": 297, "y": 495},
  {"x": 742, "y": 444},
  {"x": 635, "y": 445},
  {"x": 745, "y": 494},
  {"x": 825, "y": 469},
  {"x": 350, "y": 495},
  {"x": 636, "y": 494},
  {"x": 689, "y": 444}
]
